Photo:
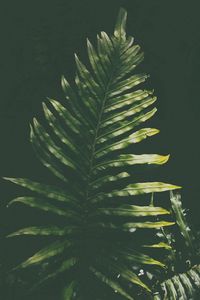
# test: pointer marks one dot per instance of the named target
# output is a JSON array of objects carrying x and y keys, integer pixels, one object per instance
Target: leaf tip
[
  {"x": 7, "y": 178},
  {"x": 11, "y": 179},
  {"x": 44, "y": 106},
  {"x": 76, "y": 57},
  {"x": 119, "y": 31},
  {"x": 35, "y": 122},
  {"x": 88, "y": 42}
]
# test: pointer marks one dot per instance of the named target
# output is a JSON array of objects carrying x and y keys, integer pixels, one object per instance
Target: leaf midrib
[{"x": 93, "y": 153}]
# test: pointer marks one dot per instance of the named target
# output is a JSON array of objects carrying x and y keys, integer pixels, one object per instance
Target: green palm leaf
[
  {"x": 182, "y": 286},
  {"x": 83, "y": 142},
  {"x": 179, "y": 283}
]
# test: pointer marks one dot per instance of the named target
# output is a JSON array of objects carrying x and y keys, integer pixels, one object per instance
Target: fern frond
[
  {"x": 85, "y": 143},
  {"x": 181, "y": 286}
]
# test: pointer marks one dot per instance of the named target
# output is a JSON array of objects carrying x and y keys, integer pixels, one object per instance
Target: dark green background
[{"x": 38, "y": 40}]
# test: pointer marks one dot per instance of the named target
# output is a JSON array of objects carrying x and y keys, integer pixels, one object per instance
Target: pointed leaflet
[
  {"x": 105, "y": 49},
  {"x": 56, "y": 151},
  {"x": 90, "y": 83},
  {"x": 159, "y": 245},
  {"x": 147, "y": 187},
  {"x": 181, "y": 221},
  {"x": 126, "y": 127},
  {"x": 99, "y": 182},
  {"x": 111, "y": 283},
  {"x": 95, "y": 62},
  {"x": 44, "y": 231},
  {"x": 124, "y": 271},
  {"x": 126, "y": 100},
  {"x": 179, "y": 288},
  {"x": 107, "y": 45},
  {"x": 127, "y": 227},
  {"x": 46, "y": 158},
  {"x": 147, "y": 225},
  {"x": 134, "y": 138},
  {"x": 130, "y": 58},
  {"x": 90, "y": 111},
  {"x": 138, "y": 257},
  {"x": 131, "y": 62},
  {"x": 195, "y": 277},
  {"x": 119, "y": 30},
  {"x": 126, "y": 114},
  {"x": 43, "y": 189},
  {"x": 73, "y": 150},
  {"x": 171, "y": 289},
  {"x": 52, "y": 250},
  {"x": 127, "y": 84},
  {"x": 79, "y": 117},
  {"x": 136, "y": 189},
  {"x": 187, "y": 283},
  {"x": 44, "y": 205},
  {"x": 127, "y": 274},
  {"x": 72, "y": 122},
  {"x": 134, "y": 211},
  {"x": 131, "y": 159},
  {"x": 68, "y": 138},
  {"x": 57, "y": 128}
]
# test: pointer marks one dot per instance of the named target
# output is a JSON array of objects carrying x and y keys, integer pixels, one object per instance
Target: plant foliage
[
  {"x": 101, "y": 208},
  {"x": 182, "y": 277}
]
